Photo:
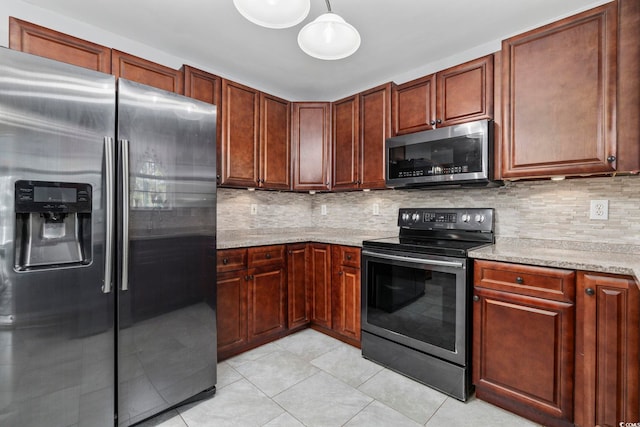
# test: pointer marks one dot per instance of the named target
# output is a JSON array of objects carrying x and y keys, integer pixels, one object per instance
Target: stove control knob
[
  {"x": 405, "y": 217},
  {"x": 415, "y": 216},
  {"x": 480, "y": 218},
  {"x": 466, "y": 218}
]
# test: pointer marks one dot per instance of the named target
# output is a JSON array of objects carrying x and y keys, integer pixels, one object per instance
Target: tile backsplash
[{"x": 532, "y": 209}]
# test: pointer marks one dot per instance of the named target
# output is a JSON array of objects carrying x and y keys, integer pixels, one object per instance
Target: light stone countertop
[
  {"x": 604, "y": 258},
  {"x": 227, "y": 239}
]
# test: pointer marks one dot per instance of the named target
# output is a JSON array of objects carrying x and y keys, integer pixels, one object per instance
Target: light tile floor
[{"x": 310, "y": 379}]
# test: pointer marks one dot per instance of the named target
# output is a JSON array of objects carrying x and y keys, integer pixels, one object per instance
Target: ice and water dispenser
[{"x": 53, "y": 224}]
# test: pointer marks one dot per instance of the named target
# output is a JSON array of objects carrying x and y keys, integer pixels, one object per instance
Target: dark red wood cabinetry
[
  {"x": 146, "y": 72},
  {"x": 298, "y": 286},
  {"x": 36, "y": 40},
  {"x": 523, "y": 340},
  {"x": 311, "y": 148}
]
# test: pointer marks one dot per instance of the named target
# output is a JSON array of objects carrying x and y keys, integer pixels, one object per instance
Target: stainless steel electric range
[{"x": 416, "y": 296}]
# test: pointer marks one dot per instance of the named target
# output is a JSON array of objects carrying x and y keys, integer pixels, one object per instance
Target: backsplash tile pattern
[{"x": 549, "y": 210}]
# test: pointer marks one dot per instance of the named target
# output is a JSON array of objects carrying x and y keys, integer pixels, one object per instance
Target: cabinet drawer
[
  {"x": 266, "y": 255},
  {"x": 349, "y": 256},
  {"x": 231, "y": 259},
  {"x": 550, "y": 283}
]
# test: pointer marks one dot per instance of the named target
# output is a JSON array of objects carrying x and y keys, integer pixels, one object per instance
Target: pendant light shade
[
  {"x": 274, "y": 13},
  {"x": 329, "y": 37}
]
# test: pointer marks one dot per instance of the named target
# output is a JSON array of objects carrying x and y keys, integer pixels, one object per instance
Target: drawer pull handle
[
  {"x": 589, "y": 291},
  {"x": 519, "y": 280},
  {"x": 349, "y": 257},
  {"x": 268, "y": 256},
  {"x": 476, "y": 298},
  {"x": 225, "y": 261}
]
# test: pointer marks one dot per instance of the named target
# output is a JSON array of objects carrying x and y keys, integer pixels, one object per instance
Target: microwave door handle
[
  {"x": 108, "y": 235},
  {"x": 124, "y": 203},
  {"x": 436, "y": 262}
]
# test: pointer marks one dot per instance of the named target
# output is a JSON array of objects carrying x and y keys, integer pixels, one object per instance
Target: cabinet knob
[
  {"x": 432, "y": 122},
  {"x": 439, "y": 121},
  {"x": 340, "y": 273},
  {"x": 349, "y": 257},
  {"x": 476, "y": 298},
  {"x": 611, "y": 159},
  {"x": 225, "y": 261},
  {"x": 246, "y": 278},
  {"x": 589, "y": 291},
  {"x": 519, "y": 280},
  {"x": 268, "y": 256}
]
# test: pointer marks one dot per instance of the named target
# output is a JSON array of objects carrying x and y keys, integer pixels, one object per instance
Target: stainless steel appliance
[
  {"x": 107, "y": 247},
  {"x": 416, "y": 296},
  {"x": 460, "y": 155}
]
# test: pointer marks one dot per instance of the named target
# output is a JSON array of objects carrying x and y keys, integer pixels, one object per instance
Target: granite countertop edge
[
  {"x": 603, "y": 258},
  {"x": 596, "y": 257}
]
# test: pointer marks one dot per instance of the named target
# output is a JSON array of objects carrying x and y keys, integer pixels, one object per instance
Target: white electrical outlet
[
  {"x": 254, "y": 209},
  {"x": 599, "y": 209},
  {"x": 323, "y": 209},
  {"x": 376, "y": 209}
]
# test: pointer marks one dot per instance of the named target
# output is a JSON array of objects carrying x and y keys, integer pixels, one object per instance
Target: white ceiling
[{"x": 401, "y": 39}]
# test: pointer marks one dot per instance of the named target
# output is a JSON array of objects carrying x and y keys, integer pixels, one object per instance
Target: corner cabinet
[
  {"x": 345, "y": 293},
  {"x": 311, "y": 146},
  {"x": 523, "y": 340},
  {"x": 607, "y": 350},
  {"x": 298, "y": 289},
  {"x": 559, "y": 97},
  {"x": 456, "y": 95}
]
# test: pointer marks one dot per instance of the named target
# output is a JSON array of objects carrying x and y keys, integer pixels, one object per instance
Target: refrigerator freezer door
[
  {"x": 56, "y": 323},
  {"x": 167, "y": 330}
]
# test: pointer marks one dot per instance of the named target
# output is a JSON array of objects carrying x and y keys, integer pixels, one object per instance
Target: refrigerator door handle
[
  {"x": 124, "y": 156},
  {"x": 108, "y": 242}
]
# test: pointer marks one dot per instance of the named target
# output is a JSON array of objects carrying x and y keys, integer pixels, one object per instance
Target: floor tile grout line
[{"x": 436, "y": 411}]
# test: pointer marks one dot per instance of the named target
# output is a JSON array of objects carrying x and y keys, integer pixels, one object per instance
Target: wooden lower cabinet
[
  {"x": 231, "y": 314},
  {"x": 319, "y": 273},
  {"x": 298, "y": 291},
  {"x": 252, "y": 298},
  {"x": 523, "y": 345},
  {"x": 607, "y": 350},
  {"x": 345, "y": 302}
]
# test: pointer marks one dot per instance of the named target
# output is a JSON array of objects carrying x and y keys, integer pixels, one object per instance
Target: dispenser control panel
[{"x": 46, "y": 196}]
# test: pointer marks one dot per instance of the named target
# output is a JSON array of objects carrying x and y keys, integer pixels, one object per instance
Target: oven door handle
[{"x": 455, "y": 264}]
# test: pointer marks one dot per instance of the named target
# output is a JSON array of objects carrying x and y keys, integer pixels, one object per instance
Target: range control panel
[{"x": 471, "y": 219}]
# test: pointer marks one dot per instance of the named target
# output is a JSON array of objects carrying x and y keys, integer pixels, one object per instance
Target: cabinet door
[
  {"x": 523, "y": 355},
  {"x": 414, "y": 105},
  {"x": 206, "y": 87},
  {"x": 375, "y": 128},
  {"x": 298, "y": 292},
  {"x": 36, "y": 40},
  {"x": 559, "y": 97},
  {"x": 240, "y": 132},
  {"x": 607, "y": 350},
  {"x": 146, "y": 72},
  {"x": 345, "y": 143},
  {"x": 345, "y": 302},
  {"x": 231, "y": 312},
  {"x": 310, "y": 137},
  {"x": 275, "y": 128},
  {"x": 465, "y": 92},
  {"x": 319, "y": 274},
  {"x": 267, "y": 302}
]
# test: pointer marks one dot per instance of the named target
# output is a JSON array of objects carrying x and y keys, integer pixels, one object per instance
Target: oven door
[{"x": 420, "y": 301}]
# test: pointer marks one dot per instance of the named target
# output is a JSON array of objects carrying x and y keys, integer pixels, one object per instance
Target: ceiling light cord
[{"x": 328, "y": 6}]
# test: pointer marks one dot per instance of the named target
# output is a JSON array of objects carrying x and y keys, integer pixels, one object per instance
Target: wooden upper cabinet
[
  {"x": 275, "y": 145},
  {"x": 34, "y": 39},
  {"x": 559, "y": 95},
  {"x": 311, "y": 149},
  {"x": 346, "y": 141},
  {"x": 465, "y": 92},
  {"x": 146, "y": 72},
  {"x": 607, "y": 350},
  {"x": 414, "y": 105},
  {"x": 375, "y": 128},
  {"x": 240, "y": 135},
  {"x": 456, "y": 95}
]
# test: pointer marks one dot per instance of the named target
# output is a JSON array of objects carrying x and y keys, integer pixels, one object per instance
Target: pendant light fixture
[
  {"x": 274, "y": 13},
  {"x": 329, "y": 37}
]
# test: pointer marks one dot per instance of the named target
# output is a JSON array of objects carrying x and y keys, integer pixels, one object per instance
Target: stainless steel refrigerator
[{"x": 107, "y": 247}]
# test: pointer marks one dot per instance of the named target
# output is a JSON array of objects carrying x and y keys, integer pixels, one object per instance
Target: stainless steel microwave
[{"x": 460, "y": 155}]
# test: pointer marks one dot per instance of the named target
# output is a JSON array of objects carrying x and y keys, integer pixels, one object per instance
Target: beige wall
[{"x": 538, "y": 209}]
